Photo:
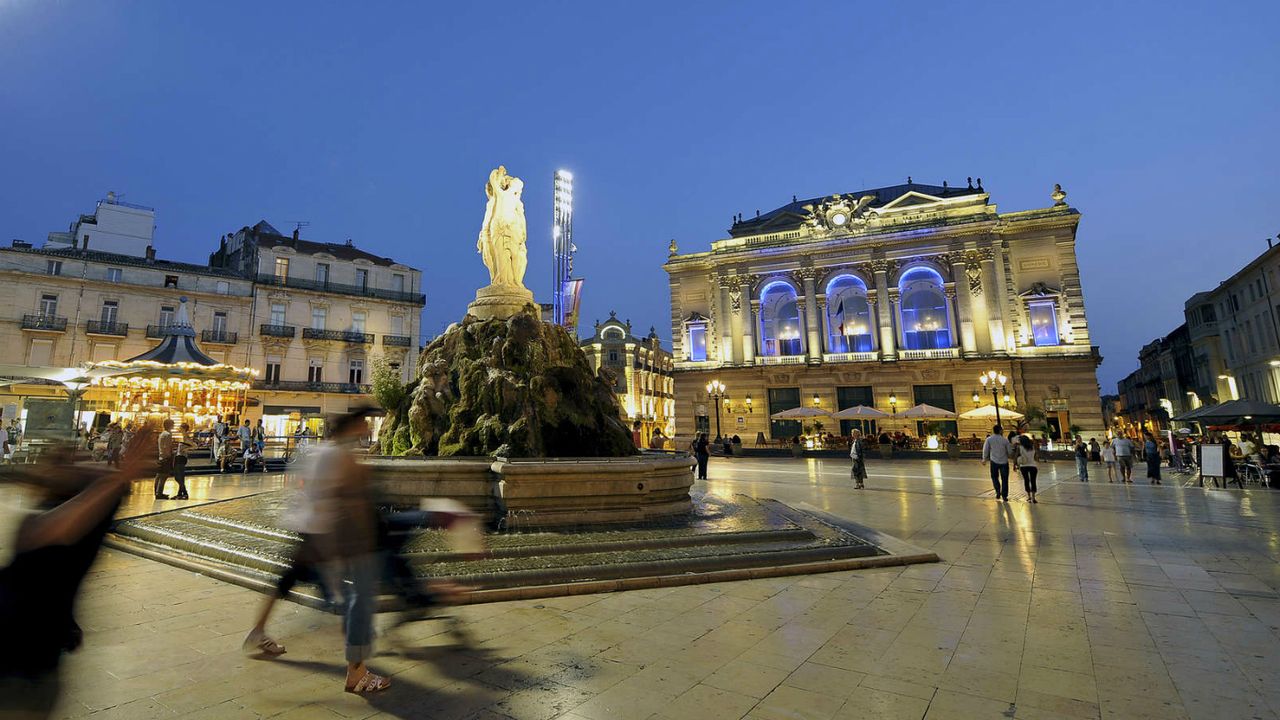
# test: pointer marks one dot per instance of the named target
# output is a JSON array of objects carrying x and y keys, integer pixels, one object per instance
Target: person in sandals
[{"x": 337, "y": 516}]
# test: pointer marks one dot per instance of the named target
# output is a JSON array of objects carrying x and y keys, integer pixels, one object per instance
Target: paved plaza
[{"x": 1104, "y": 600}]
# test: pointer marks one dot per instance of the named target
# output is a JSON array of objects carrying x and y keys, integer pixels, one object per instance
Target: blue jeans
[
  {"x": 361, "y": 587},
  {"x": 1082, "y": 468}
]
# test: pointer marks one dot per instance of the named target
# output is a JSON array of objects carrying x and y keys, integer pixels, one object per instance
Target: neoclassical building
[
  {"x": 905, "y": 293},
  {"x": 642, "y": 374}
]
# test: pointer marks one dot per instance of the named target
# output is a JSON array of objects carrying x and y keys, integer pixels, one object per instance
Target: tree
[{"x": 388, "y": 389}]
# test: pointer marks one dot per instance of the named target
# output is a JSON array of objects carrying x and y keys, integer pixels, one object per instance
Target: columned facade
[{"x": 910, "y": 291}]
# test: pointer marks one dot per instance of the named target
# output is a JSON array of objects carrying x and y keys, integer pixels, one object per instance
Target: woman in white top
[
  {"x": 1024, "y": 457},
  {"x": 1109, "y": 458}
]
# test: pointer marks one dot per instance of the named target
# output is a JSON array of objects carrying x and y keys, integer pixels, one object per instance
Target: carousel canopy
[{"x": 178, "y": 344}]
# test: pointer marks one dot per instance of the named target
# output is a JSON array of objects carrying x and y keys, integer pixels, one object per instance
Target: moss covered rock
[{"x": 511, "y": 388}]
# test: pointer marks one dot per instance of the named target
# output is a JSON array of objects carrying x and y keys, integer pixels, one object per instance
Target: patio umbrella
[
  {"x": 925, "y": 411},
  {"x": 1234, "y": 412},
  {"x": 799, "y": 413},
  {"x": 988, "y": 412},
  {"x": 860, "y": 412}
]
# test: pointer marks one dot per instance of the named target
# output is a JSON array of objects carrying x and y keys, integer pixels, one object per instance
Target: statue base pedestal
[{"x": 502, "y": 302}]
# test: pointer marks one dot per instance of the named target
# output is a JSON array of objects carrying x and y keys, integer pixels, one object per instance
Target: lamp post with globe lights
[
  {"x": 995, "y": 382},
  {"x": 716, "y": 393}
]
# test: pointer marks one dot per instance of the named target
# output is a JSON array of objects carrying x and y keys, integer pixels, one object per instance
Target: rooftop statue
[{"x": 502, "y": 236}]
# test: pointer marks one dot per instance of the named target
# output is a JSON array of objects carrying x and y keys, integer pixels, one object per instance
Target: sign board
[
  {"x": 50, "y": 420},
  {"x": 1213, "y": 460},
  {"x": 742, "y": 422},
  {"x": 1055, "y": 405}
]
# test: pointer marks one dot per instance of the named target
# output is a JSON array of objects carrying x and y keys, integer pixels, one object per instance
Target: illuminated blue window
[
  {"x": 849, "y": 326},
  {"x": 780, "y": 331},
  {"x": 926, "y": 324},
  {"x": 698, "y": 342},
  {"x": 1044, "y": 322}
]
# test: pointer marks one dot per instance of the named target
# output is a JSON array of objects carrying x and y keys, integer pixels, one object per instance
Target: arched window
[
  {"x": 780, "y": 331},
  {"x": 849, "y": 326},
  {"x": 925, "y": 322}
]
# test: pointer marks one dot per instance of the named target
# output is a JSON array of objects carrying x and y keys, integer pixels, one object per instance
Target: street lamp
[
  {"x": 715, "y": 393},
  {"x": 995, "y": 381}
]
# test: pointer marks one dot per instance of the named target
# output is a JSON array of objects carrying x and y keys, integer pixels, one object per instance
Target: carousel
[{"x": 174, "y": 380}]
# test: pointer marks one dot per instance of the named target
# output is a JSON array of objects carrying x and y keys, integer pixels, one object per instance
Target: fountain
[{"x": 506, "y": 416}]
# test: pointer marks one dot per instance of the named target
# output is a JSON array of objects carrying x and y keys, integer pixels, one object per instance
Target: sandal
[
  {"x": 259, "y": 643},
  {"x": 369, "y": 683}
]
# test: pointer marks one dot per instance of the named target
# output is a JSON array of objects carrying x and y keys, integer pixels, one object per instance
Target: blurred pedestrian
[
  {"x": 1024, "y": 458},
  {"x": 115, "y": 442},
  {"x": 58, "y": 536},
  {"x": 1082, "y": 459},
  {"x": 164, "y": 461},
  {"x": 1124, "y": 457},
  {"x": 1152, "y": 451},
  {"x": 858, "y": 454},
  {"x": 701, "y": 448},
  {"x": 181, "y": 446},
  {"x": 1109, "y": 459}
]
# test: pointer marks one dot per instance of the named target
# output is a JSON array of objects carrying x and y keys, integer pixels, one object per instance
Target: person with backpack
[
  {"x": 1024, "y": 458},
  {"x": 858, "y": 454}
]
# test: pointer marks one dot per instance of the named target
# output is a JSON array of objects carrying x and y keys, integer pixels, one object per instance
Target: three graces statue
[{"x": 502, "y": 236}]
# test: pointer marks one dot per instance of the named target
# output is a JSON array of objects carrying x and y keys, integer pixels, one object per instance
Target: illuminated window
[
  {"x": 848, "y": 316},
  {"x": 925, "y": 325},
  {"x": 282, "y": 269},
  {"x": 780, "y": 321},
  {"x": 1044, "y": 322},
  {"x": 698, "y": 342}
]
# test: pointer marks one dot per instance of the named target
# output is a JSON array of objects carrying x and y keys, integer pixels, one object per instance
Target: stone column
[
  {"x": 953, "y": 314},
  {"x": 824, "y": 324},
  {"x": 888, "y": 341},
  {"x": 895, "y": 316},
  {"x": 752, "y": 310},
  {"x": 813, "y": 346},
  {"x": 724, "y": 325},
  {"x": 741, "y": 307},
  {"x": 994, "y": 293},
  {"x": 964, "y": 304},
  {"x": 873, "y": 316},
  {"x": 802, "y": 310}
]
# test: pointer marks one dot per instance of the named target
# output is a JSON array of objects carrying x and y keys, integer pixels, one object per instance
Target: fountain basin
[{"x": 545, "y": 492}]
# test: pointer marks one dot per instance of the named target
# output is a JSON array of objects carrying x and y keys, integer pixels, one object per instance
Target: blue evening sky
[{"x": 380, "y": 121}]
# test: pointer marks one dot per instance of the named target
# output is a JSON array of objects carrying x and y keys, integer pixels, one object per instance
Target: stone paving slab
[{"x": 1074, "y": 608}]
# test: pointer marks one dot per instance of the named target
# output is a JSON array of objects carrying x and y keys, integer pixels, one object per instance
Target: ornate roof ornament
[
  {"x": 837, "y": 212},
  {"x": 1059, "y": 195},
  {"x": 672, "y": 250}
]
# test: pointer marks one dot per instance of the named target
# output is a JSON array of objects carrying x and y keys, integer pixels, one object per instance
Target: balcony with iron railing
[
  {"x": 397, "y": 341},
  {"x": 44, "y": 323},
  {"x": 347, "y": 336},
  {"x": 932, "y": 354},
  {"x": 308, "y": 386},
  {"x": 219, "y": 337},
  {"x": 341, "y": 289},
  {"x": 107, "y": 327},
  {"x": 284, "y": 331},
  {"x": 155, "y": 332}
]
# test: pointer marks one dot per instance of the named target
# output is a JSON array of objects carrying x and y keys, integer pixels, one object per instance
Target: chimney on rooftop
[
  {"x": 151, "y": 254},
  {"x": 349, "y": 242},
  {"x": 295, "y": 238}
]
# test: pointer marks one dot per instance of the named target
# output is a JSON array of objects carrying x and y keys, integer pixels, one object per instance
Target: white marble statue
[{"x": 502, "y": 237}]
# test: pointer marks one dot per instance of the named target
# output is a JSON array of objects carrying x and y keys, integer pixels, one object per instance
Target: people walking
[
  {"x": 858, "y": 454},
  {"x": 996, "y": 450},
  {"x": 221, "y": 433},
  {"x": 164, "y": 461},
  {"x": 1024, "y": 458},
  {"x": 48, "y": 556},
  {"x": 260, "y": 437},
  {"x": 337, "y": 511},
  {"x": 180, "y": 448},
  {"x": 1123, "y": 447},
  {"x": 1109, "y": 459},
  {"x": 1152, "y": 451},
  {"x": 115, "y": 443},
  {"x": 702, "y": 453},
  {"x": 1095, "y": 451},
  {"x": 1082, "y": 459},
  {"x": 244, "y": 434}
]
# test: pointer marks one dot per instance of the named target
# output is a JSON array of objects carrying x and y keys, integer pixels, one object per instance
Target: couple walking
[{"x": 999, "y": 451}]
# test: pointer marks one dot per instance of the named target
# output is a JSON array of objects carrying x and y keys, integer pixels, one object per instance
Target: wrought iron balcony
[
  {"x": 341, "y": 289},
  {"x": 44, "y": 323},
  {"x": 156, "y": 331},
  {"x": 307, "y": 386},
  {"x": 337, "y": 335},
  {"x": 397, "y": 341},
  {"x": 218, "y": 337},
  {"x": 285, "y": 331},
  {"x": 98, "y": 327}
]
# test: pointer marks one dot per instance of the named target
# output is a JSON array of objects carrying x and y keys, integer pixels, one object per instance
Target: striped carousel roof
[{"x": 178, "y": 344}]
